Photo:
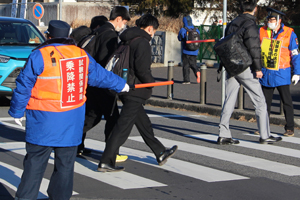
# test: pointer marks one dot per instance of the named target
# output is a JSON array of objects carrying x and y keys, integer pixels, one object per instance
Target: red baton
[
  {"x": 144, "y": 85},
  {"x": 198, "y": 41}
]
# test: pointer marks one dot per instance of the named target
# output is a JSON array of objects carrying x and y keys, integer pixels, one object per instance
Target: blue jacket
[
  {"x": 57, "y": 129},
  {"x": 273, "y": 78},
  {"x": 182, "y": 36}
]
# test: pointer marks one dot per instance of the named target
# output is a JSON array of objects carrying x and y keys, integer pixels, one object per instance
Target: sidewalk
[{"x": 188, "y": 97}]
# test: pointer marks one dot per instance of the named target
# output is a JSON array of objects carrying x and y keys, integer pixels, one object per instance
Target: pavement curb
[{"x": 215, "y": 110}]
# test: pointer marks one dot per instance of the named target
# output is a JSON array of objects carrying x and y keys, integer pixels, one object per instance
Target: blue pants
[{"x": 35, "y": 163}]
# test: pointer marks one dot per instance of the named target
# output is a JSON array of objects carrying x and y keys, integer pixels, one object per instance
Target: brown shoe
[{"x": 289, "y": 133}]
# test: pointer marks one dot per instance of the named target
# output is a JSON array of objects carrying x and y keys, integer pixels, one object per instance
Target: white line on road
[
  {"x": 174, "y": 165},
  {"x": 241, "y": 159},
  {"x": 123, "y": 180},
  {"x": 11, "y": 177},
  {"x": 252, "y": 145}
]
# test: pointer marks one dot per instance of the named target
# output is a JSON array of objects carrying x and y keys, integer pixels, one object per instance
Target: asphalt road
[{"x": 200, "y": 169}]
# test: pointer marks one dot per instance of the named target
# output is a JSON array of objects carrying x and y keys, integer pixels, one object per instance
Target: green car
[{"x": 18, "y": 37}]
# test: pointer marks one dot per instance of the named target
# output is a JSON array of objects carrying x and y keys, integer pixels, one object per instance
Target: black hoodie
[{"x": 139, "y": 62}]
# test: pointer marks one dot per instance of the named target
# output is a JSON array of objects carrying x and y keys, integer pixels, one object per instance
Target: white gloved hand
[
  {"x": 295, "y": 79},
  {"x": 19, "y": 121},
  {"x": 126, "y": 88}
]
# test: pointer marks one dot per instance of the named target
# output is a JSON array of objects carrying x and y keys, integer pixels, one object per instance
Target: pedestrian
[
  {"x": 189, "y": 57},
  {"x": 79, "y": 34},
  {"x": 51, "y": 90},
  {"x": 280, "y": 54},
  {"x": 97, "y": 22},
  {"x": 100, "y": 101},
  {"x": 248, "y": 78},
  {"x": 133, "y": 112}
]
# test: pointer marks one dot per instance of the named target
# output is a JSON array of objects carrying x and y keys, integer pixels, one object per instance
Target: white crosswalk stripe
[
  {"x": 10, "y": 175},
  {"x": 173, "y": 165},
  {"x": 241, "y": 159},
  {"x": 253, "y": 145}
]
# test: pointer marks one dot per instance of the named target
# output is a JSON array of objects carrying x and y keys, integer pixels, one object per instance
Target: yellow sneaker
[{"x": 121, "y": 158}]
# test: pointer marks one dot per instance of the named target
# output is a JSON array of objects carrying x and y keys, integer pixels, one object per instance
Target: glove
[
  {"x": 19, "y": 121},
  {"x": 126, "y": 88},
  {"x": 295, "y": 79}
]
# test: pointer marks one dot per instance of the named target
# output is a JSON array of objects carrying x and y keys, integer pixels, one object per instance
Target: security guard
[
  {"x": 279, "y": 46},
  {"x": 51, "y": 89}
]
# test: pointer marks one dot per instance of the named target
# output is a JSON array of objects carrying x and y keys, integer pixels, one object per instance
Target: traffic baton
[
  {"x": 199, "y": 41},
  {"x": 144, "y": 85}
]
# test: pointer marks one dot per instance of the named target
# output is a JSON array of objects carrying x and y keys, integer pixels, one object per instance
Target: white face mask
[
  {"x": 272, "y": 25},
  {"x": 118, "y": 29}
]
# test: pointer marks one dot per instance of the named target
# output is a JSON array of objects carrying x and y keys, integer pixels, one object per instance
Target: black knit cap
[
  {"x": 274, "y": 13},
  {"x": 57, "y": 28}
]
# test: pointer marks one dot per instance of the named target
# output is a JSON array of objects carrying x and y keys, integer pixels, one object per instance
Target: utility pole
[
  {"x": 14, "y": 8},
  {"x": 223, "y": 70}
]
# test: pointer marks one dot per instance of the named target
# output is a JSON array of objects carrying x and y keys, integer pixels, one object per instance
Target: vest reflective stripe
[
  {"x": 46, "y": 94},
  {"x": 285, "y": 37}
]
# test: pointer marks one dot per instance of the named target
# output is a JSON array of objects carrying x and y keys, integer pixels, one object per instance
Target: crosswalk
[{"x": 128, "y": 180}]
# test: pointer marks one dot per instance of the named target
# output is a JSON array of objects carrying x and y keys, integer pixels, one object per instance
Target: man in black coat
[
  {"x": 133, "y": 112},
  {"x": 101, "y": 102},
  {"x": 248, "y": 78}
]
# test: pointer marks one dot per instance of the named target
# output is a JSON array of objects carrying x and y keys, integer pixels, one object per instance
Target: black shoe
[
  {"x": 167, "y": 154},
  {"x": 83, "y": 151},
  {"x": 270, "y": 140},
  {"x": 222, "y": 140},
  {"x": 109, "y": 168}
]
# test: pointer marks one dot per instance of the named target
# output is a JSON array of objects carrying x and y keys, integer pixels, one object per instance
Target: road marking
[
  {"x": 7, "y": 118},
  {"x": 123, "y": 180},
  {"x": 174, "y": 165},
  {"x": 11, "y": 177},
  {"x": 241, "y": 159},
  {"x": 253, "y": 145},
  {"x": 293, "y": 140},
  {"x": 174, "y": 116}
]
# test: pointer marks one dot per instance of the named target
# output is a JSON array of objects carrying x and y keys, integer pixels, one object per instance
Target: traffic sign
[{"x": 38, "y": 11}]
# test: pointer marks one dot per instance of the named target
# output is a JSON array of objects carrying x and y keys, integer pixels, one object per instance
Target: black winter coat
[
  {"x": 106, "y": 43},
  {"x": 250, "y": 36},
  {"x": 139, "y": 62}
]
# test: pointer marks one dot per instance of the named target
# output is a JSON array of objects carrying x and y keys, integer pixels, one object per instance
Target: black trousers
[
  {"x": 35, "y": 163},
  {"x": 189, "y": 61},
  {"x": 133, "y": 113},
  {"x": 99, "y": 102},
  {"x": 286, "y": 98}
]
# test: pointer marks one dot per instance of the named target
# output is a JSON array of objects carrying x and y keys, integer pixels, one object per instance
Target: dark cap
[
  {"x": 57, "y": 28},
  {"x": 274, "y": 13}
]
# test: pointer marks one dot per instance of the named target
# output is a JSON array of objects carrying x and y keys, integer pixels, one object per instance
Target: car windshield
[{"x": 16, "y": 33}]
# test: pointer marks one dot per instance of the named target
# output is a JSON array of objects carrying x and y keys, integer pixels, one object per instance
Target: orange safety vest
[
  {"x": 62, "y": 85},
  {"x": 282, "y": 53}
]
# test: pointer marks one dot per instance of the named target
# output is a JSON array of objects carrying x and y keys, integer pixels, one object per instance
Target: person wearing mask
[
  {"x": 80, "y": 35},
  {"x": 280, "y": 55},
  {"x": 51, "y": 90},
  {"x": 133, "y": 112},
  {"x": 100, "y": 101},
  {"x": 189, "y": 57},
  {"x": 249, "y": 78}
]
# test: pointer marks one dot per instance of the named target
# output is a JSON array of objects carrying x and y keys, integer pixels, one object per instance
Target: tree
[
  {"x": 173, "y": 8},
  {"x": 176, "y": 8}
]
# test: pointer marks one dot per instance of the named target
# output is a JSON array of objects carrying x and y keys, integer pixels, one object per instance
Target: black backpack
[
  {"x": 119, "y": 60},
  {"x": 88, "y": 43},
  {"x": 233, "y": 53},
  {"x": 192, "y": 34}
]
